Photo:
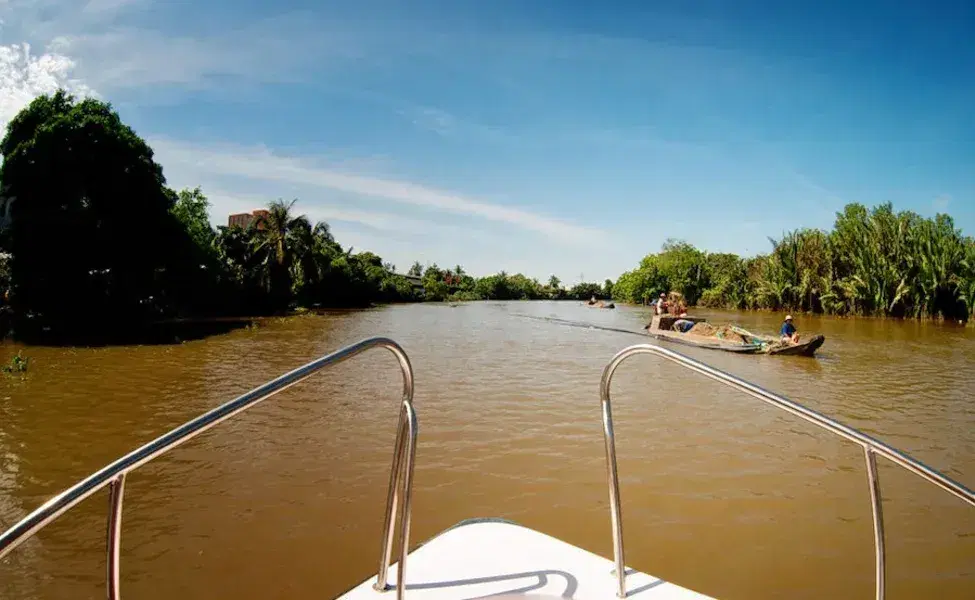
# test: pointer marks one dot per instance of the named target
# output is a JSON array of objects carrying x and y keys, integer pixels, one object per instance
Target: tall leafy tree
[
  {"x": 190, "y": 209},
  {"x": 93, "y": 240}
]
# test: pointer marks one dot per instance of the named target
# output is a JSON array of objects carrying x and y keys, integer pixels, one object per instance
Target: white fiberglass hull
[{"x": 496, "y": 558}]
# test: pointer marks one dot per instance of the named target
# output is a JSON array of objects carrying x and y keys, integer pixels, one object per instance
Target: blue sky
[{"x": 544, "y": 137}]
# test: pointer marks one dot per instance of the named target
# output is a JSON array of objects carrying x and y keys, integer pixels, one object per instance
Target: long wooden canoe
[{"x": 661, "y": 328}]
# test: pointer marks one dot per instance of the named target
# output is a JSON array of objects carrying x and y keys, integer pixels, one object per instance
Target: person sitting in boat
[
  {"x": 788, "y": 332},
  {"x": 592, "y": 300},
  {"x": 661, "y": 307}
]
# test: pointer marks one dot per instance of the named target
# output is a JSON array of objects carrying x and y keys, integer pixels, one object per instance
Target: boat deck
[{"x": 492, "y": 557}]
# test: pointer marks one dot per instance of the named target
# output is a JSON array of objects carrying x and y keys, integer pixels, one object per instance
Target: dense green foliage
[
  {"x": 873, "y": 262},
  {"x": 92, "y": 238},
  {"x": 97, "y": 241},
  {"x": 456, "y": 285},
  {"x": 283, "y": 260}
]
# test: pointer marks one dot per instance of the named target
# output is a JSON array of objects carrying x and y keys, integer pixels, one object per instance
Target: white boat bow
[{"x": 494, "y": 558}]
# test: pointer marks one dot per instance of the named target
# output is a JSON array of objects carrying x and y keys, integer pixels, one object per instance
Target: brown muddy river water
[{"x": 721, "y": 493}]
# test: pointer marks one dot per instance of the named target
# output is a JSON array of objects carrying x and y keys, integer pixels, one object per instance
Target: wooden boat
[
  {"x": 741, "y": 341},
  {"x": 807, "y": 348}
]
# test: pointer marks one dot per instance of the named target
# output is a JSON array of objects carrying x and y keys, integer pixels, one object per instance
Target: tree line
[
  {"x": 874, "y": 262},
  {"x": 93, "y": 240},
  {"x": 456, "y": 285}
]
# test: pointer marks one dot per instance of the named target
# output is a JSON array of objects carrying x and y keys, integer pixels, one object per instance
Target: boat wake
[{"x": 580, "y": 324}]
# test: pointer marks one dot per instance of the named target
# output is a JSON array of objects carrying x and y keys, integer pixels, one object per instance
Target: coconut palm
[
  {"x": 279, "y": 240},
  {"x": 965, "y": 280},
  {"x": 281, "y": 230},
  {"x": 940, "y": 252}
]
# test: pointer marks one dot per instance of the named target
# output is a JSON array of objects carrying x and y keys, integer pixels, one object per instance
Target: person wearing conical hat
[{"x": 788, "y": 331}]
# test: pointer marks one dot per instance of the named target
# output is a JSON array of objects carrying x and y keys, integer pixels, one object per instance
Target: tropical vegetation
[
  {"x": 875, "y": 262},
  {"x": 93, "y": 241}
]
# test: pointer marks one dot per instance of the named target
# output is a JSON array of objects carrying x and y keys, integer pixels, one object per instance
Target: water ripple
[{"x": 510, "y": 426}]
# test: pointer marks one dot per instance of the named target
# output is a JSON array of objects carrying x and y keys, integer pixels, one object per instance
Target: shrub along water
[
  {"x": 97, "y": 243},
  {"x": 874, "y": 262}
]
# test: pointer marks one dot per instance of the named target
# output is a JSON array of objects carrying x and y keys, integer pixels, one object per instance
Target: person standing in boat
[{"x": 788, "y": 331}]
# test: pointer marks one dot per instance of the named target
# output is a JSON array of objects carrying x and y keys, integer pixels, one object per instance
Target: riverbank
[
  {"x": 873, "y": 262},
  {"x": 934, "y": 320}
]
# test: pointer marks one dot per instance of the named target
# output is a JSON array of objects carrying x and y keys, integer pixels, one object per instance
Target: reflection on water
[{"x": 721, "y": 493}]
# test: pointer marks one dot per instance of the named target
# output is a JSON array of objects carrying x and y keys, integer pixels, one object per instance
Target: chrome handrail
[
  {"x": 113, "y": 475},
  {"x": 871, "y": 448}
]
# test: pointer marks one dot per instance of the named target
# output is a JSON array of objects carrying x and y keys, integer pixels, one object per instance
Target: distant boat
[{"x": 728, "y": 338}]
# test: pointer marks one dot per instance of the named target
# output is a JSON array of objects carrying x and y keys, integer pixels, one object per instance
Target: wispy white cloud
[
  {"x": 432, "y": 119},
  {"x": 941, "y": 202},
  {"x": 403, "y": 239},
  {"x": 224, "y": 203},
  {"x": 127, "y": 58},
  {"x": 101, "y": 6},
  {"x": 825, "y": 198},
  {"x": 401, "y": 221},
  {"x": 447, "y": 124},
  {"x": 258, "y": 163}
]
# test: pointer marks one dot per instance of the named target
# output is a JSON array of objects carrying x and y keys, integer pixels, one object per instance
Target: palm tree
[
  {"x": 281, "y": 229},
  {"x": 281, "y": 241}
]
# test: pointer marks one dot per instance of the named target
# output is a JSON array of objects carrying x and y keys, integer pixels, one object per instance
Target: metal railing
[
  {"x": 871, "y": 448},
  {"x": 113, "y": 475}
]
